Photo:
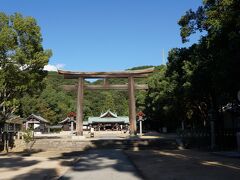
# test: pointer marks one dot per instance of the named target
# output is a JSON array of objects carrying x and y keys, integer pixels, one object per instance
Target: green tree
[
  {"x": 158, "y": 101},
  {"x": 108, "y": 102},
  {"x": 204, "y": 76},
  {"x": 220, "y": 46},
  {"x": 53, "y": 104},
  {"x": 22, "y": 59}
]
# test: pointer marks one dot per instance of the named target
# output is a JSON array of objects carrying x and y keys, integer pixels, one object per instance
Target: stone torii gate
[{"x": 131, "y": 87}]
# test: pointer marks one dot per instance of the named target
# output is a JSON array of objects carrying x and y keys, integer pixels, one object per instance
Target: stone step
[
  {"x": 51, "y": 144},
  {"x": 46, "y": 144}
]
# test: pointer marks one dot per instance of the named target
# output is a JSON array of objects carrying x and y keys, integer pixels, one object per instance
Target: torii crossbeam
[{"x": 131, "y": 86}]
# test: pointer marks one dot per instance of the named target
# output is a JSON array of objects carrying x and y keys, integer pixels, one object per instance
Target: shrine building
[{"x": 109, "y": 121}]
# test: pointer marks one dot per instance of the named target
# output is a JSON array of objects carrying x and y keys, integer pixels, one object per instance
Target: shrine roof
[
  {"x": 119, "y": 119},
  {"x": 39, "y": 118},
  {"x": 67, "y": 119},
  {"x": 108, "y": 114},
  {"x": 15, "y": 119}
]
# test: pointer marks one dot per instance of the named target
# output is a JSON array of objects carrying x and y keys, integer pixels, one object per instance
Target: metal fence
[{"x": 224, "y": 139}]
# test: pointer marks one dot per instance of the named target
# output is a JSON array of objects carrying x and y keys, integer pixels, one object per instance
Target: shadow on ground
[
  {"x": 184, "y": 164},
  {"x": 44, "y": 174},
  {"x": 15, "y": 162}
]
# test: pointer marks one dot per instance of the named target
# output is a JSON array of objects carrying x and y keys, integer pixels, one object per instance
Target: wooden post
[
  {"x": 212, "y": 134},
  {"x": 140, "y": 127},
  {"x": 26, "y": 125},
  {"x": 79, "y": 122},
  {"x": 71, "y": 127},
  {"x": 132, "y": 105}
]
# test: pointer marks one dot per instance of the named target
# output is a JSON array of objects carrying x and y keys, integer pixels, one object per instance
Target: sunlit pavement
[{"x": 103, "y": 164}]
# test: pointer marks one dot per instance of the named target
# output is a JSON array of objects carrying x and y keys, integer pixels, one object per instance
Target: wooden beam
[
  {"x": 115, "y": 87},
  {"x": 116, "y": 74},
  {"x": 106, "y": 87},
  {"x": 132, "y": 105},
  {"x": 129, "y": 72},
  {"x": 79, "y": 120},
  {"x": 75, "y": 76}
]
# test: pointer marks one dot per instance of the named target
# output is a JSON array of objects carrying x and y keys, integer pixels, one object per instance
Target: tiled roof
[
  {"x": 67, "y": 119},
  {"x": 114, "y": 115},
  {"x": 14, "y": 119},
  {"x": 119, "y": 119},
  {"x": 39, "y": 118},
  {"x": 63, "y": 121},
  {"x": 113, "y": 118}
]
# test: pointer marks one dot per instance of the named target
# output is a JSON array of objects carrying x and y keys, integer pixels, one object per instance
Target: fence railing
[{"x": 224, "y": 139}]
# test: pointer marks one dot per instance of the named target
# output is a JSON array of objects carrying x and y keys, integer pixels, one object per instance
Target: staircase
[
  {"x": 80, "y": 145},
  {"x": 59, "y": 145}
]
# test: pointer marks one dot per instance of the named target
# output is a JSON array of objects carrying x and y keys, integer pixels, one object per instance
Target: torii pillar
[
  {"x": 132, "y": 105},
  {"x": 79, "y": 120}
]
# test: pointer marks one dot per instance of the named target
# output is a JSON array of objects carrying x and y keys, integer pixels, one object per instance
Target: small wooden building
[
  {"x": 13, "y": 124},
  {"x": 109, "y": 121},
  {"x": 37, "y": 123},
  {"x": 68, "y": 124}
]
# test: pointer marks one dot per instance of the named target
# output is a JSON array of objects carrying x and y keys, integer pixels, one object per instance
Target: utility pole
[{"x": 163, "y": 57}]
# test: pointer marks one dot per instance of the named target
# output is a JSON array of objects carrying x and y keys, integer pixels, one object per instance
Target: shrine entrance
[{"x": 130, "y": 87}]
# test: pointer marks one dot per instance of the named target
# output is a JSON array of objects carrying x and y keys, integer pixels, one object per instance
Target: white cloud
[
  {"x": 51, "y": 67},
  {"x": 60, "y": 66}
]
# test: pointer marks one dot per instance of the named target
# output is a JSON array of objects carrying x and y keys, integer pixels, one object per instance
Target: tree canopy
[
  {"x": 205, "y": 76},
  {"x": 22, "y": 59}
]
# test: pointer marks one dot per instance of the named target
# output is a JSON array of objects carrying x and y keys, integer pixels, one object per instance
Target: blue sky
[{"x": 106, "y": 35}]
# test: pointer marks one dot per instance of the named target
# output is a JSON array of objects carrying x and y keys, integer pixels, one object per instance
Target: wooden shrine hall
[{"x": 130, "y": 87}]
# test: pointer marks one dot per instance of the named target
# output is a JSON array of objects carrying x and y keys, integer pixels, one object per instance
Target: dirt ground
[
  {"x": 42, "y": 165},
  {"x": 184, "y": 165},
  {"x": 150, "y": 164}
]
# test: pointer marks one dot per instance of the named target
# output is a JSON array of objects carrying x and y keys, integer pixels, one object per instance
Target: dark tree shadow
[
  {"x": 43, "y": 174},
  {"x": 16, "y": 162}
]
